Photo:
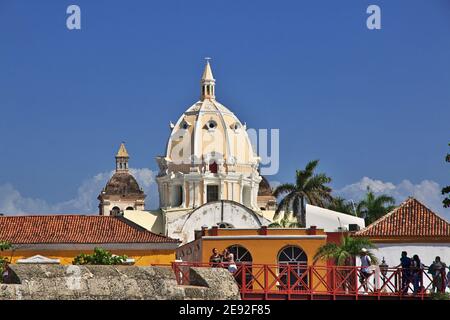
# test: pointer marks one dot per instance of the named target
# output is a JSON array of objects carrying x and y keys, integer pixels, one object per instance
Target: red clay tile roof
[
  {"x": 410, "y": 219},
  {"x": 79, "y": 229}
]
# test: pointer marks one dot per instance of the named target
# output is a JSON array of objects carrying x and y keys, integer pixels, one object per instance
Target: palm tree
[
  {"x": 345, "y": 253},
  {"x": 285, "y": 223},
  {"x": 308, "y": 187},
  {"x": 341, "y": 205},
  {"x": 374, "y": 207}
]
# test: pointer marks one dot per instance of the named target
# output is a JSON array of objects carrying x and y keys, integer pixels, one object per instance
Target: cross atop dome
[{"x": 208, "y": 82}]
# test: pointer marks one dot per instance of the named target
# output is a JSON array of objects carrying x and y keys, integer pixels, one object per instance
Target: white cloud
[
  {"x": 85, "y": 202},
  {"x": 428, "y": 192}
]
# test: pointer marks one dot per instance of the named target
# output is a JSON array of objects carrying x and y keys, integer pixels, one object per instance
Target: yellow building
[
  {"x": 258, "y": 246},
  {"x": 268, "y": 258},
  {"x": 60, "y": 238}
]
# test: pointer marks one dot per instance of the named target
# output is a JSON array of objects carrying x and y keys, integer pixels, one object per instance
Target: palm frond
[
  {"x": 283, "y": 188},
  {"x": 346, "y": 251}
]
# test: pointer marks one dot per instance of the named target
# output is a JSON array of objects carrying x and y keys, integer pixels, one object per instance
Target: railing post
[
  {"x": 266, "y": 281},
  {"x": 333, "y": 273},
  {"x": 244, "y": 278},
  {"x": 289, "y": 281}
]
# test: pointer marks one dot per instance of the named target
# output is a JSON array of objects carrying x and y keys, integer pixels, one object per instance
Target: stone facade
[{"x": 55, "y": 282}]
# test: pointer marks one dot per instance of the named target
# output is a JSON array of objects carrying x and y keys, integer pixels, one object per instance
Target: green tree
[
  {"x": 309, "y": 187},
  {"x": 344, "y": 254},
  {"x": 99, "y": 257},
  {"x": 373, "y": 207},
  {"x": 285, "y": 222},
  {"x": 446, "y": 190},
  {"x": 341, "y": 205}
]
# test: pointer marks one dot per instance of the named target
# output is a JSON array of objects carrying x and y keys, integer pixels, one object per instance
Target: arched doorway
[
  {"x": 293, "y": 265},
  {"x": 243, "y": 259}
]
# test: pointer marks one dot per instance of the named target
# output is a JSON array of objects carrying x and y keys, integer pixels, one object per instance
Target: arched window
[
  {"x": 115, "y": 211},
  {"x": 241, "y": 254},
  {"x": 130, "y": 208},
  {"x": 293, "y": 260}
]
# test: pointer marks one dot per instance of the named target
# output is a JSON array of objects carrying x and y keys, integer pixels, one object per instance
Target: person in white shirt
[{"x": 365, "y": 268}]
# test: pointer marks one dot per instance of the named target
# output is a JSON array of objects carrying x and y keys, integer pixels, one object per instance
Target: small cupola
[
  {"x": 208, "y": 83},
  {"x": 122, "y": 158}
]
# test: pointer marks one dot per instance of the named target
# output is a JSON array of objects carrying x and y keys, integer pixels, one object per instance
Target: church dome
[
  {"x": 209, "y": 132},
  {"x": 264, "y": 187},
  {"x": 122, "y": 192},
  {"x": 209, "y": 156},
  {"x": 123, "y": 184}
]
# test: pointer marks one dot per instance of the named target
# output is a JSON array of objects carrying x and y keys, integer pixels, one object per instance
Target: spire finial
[
  {"x": 208, "y": 82},
  {"x": 122, "y": 153}
]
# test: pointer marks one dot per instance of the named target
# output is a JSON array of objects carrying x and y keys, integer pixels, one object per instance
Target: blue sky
[{"x": 368, "y": 104}]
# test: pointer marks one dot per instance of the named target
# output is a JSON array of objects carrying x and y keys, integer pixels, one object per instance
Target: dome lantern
[
  {"x": 208, "y": 83},
  {"x": 122, "y": 159}
]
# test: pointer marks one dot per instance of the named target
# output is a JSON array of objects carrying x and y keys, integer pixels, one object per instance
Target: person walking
[{"x": 365, "y": 269}]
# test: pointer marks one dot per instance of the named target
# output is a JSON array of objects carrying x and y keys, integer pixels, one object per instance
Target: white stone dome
[
  {"x": 209, "y": 156},
  {"x": 208, "y": 131}
]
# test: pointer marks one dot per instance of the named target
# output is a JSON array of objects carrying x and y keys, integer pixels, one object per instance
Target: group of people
[
  {"x": 412, "y": 271},
  {"x": 226, "y": 258}
]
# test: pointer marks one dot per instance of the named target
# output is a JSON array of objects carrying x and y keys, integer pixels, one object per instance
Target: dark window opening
[
  {"x": 212, "y": 193},
  {"x": 213, "y": 167}
]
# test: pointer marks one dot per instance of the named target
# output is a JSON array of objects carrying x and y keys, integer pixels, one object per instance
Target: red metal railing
[{"x": 292, "y": 281}]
